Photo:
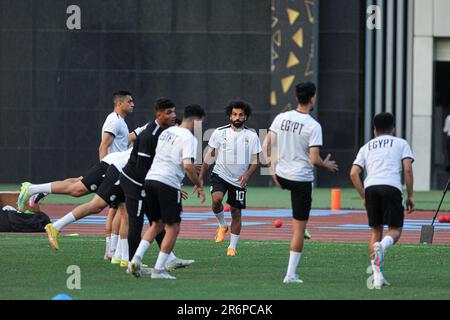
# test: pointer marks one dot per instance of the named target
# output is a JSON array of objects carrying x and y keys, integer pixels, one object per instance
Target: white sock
[
  {"x": 124, "y": 249},
  {"x": 118, "y": 253},
  {"x": 143, "y": 246},
  {"x": 221, "y": 219},
  {"x": 294, "y": 259},
  {"x": 108, "y": 241},
  {"x": 171, "y": 257},
  {"x": 113, "y": 243},
  {"x": 387, "y": 242},
  {"x": 64, "y": 221},
  {"x": 40, "y": 188},
  {"x": 234, "y": 238},
  {"x": 161, "y": 262}
]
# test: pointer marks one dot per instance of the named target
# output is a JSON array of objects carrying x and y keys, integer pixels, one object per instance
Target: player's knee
[
  {"x": 217, "y": 205},
  {"x": 77, "y": 190}
]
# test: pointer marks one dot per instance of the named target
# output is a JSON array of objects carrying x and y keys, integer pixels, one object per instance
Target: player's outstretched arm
[{"x": 327, "y": 163}]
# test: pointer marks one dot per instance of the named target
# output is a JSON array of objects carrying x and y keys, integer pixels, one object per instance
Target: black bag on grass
[{"x": 14, "y": 221}]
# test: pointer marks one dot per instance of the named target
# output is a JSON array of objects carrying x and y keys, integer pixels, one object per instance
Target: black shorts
[
  {"x": 301, "y": 197},
  {"x": 236, "y": 196},
  {"x": 94, "y": 177},
  {"x": 384, "y": 206},
  {"x": 134, "y": 197},
  {"x": 163, "y": 202},
  {"x": 109, "y": 191}
]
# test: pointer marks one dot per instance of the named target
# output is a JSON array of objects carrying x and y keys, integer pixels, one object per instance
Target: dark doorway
[{"x": 440, "y": 158}]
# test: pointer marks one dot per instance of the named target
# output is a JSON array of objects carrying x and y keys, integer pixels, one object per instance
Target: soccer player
[
  {"x": 298, "y": 139},
  {"x": 133, "y": 175},
  {"x": 116, "y": 138},
  {"x": 108, "y": 193},
  {"x": 237, "y": 150},
  {"x": 383, "y": 159},
  {"x": 175, "y": 155},
  {"x": 115, "y": 134}
]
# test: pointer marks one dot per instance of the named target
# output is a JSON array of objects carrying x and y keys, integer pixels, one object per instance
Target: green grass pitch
[{"x": 32, "y": 270}]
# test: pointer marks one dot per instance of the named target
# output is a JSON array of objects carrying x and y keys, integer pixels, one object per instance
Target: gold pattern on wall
[
  {"x": 292, "y": 49},
  {"x": 298, "y": 37},
  {"x": 273, "y": 98},
  {"x": 292, "y": 60},
  {"x": 293, "y": 15},
  {"x": 286, "y": 83}
]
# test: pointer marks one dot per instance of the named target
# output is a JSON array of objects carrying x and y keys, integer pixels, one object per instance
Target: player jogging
[
  {"x": 298, "y": 139},
  {"x": 383, "y": 159},
  {"x": 236, "y": 150}
]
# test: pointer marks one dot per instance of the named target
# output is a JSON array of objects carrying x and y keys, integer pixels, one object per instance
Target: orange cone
[{"x": 335, "y": 199}]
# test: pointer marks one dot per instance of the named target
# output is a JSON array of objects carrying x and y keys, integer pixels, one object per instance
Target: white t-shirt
[
  {"x": 447, "y": 125},
  {"x": 296, "y": 133},
  {"x": 382, "y": 159},
  {"x": 116, "y": 125},
  {"x": 174, "y": 145},
  {"x": 234, "y": 151},
  {"x": 118, "y": 159}
]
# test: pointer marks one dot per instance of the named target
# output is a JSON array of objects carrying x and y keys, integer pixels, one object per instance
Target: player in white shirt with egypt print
[
  {"x": 298, "y": 139},
  {"x": 236, "y": 150},
  {"x": 383, "y": 160},
  {"x": 174, "y": 156}
]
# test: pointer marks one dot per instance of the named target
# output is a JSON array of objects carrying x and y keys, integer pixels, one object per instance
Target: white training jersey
[
  {"x": 174, "y": 145},
  {"x": 382, "y": 159},
  {"x": 116, "y": 125},
  {"x": 234, "y": 151},
  {"x": 296, "y": 132},
  {"x": 118, "y": 159}
]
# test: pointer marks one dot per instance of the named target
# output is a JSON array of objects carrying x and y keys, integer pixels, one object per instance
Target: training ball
[
  {"x": 441, "y": 219},
  {"x": 278, "y": 223},
  {"x": 226, "y": 208}
]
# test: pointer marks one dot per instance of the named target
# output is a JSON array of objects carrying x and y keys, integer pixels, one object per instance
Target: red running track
[{"x": 197, "y": 229}]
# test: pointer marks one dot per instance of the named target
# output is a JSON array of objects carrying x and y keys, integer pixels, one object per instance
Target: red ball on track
[{"x": 278, "y": 223}]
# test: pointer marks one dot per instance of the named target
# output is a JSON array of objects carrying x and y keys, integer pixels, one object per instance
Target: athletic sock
[
  {"x": 64, "y": 221},
  {"x": 387, "y": 242},
  {"x": 113, "y": 243},
  {"x": 234, "y": 238},
  {"x": 108, "y": 242},
  {"x": 118, "y": 253},
  {"x": 171, "y": 257},
  {"x": 143, "y": 246},
  {"x": 124, "y": 248},
  {"x": 39, "y": 188},
  {"x": 161, "y": 262},
  {"x": 221, "y": 219},
  {"x": 294, "y": 259}
]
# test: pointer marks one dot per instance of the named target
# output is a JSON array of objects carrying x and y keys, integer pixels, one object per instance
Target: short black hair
[
  {"x": 384, "y": 122},
  {"x": 120, "y": 95},
  {"x": 304, "y": 92},
  {"x": 162, "y": 104},
  {"x": 238, "y": 104},
  {"x": 193, "y": 110}
]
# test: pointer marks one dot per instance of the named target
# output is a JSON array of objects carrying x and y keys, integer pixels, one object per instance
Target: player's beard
[{"x": 237, "y": 124}]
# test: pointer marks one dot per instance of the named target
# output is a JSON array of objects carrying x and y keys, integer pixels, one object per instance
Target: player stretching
[
  {"x": 298, "y": 138},
  {"x": 383, "y": 159},
  {"x": 236, "y": 149}
]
